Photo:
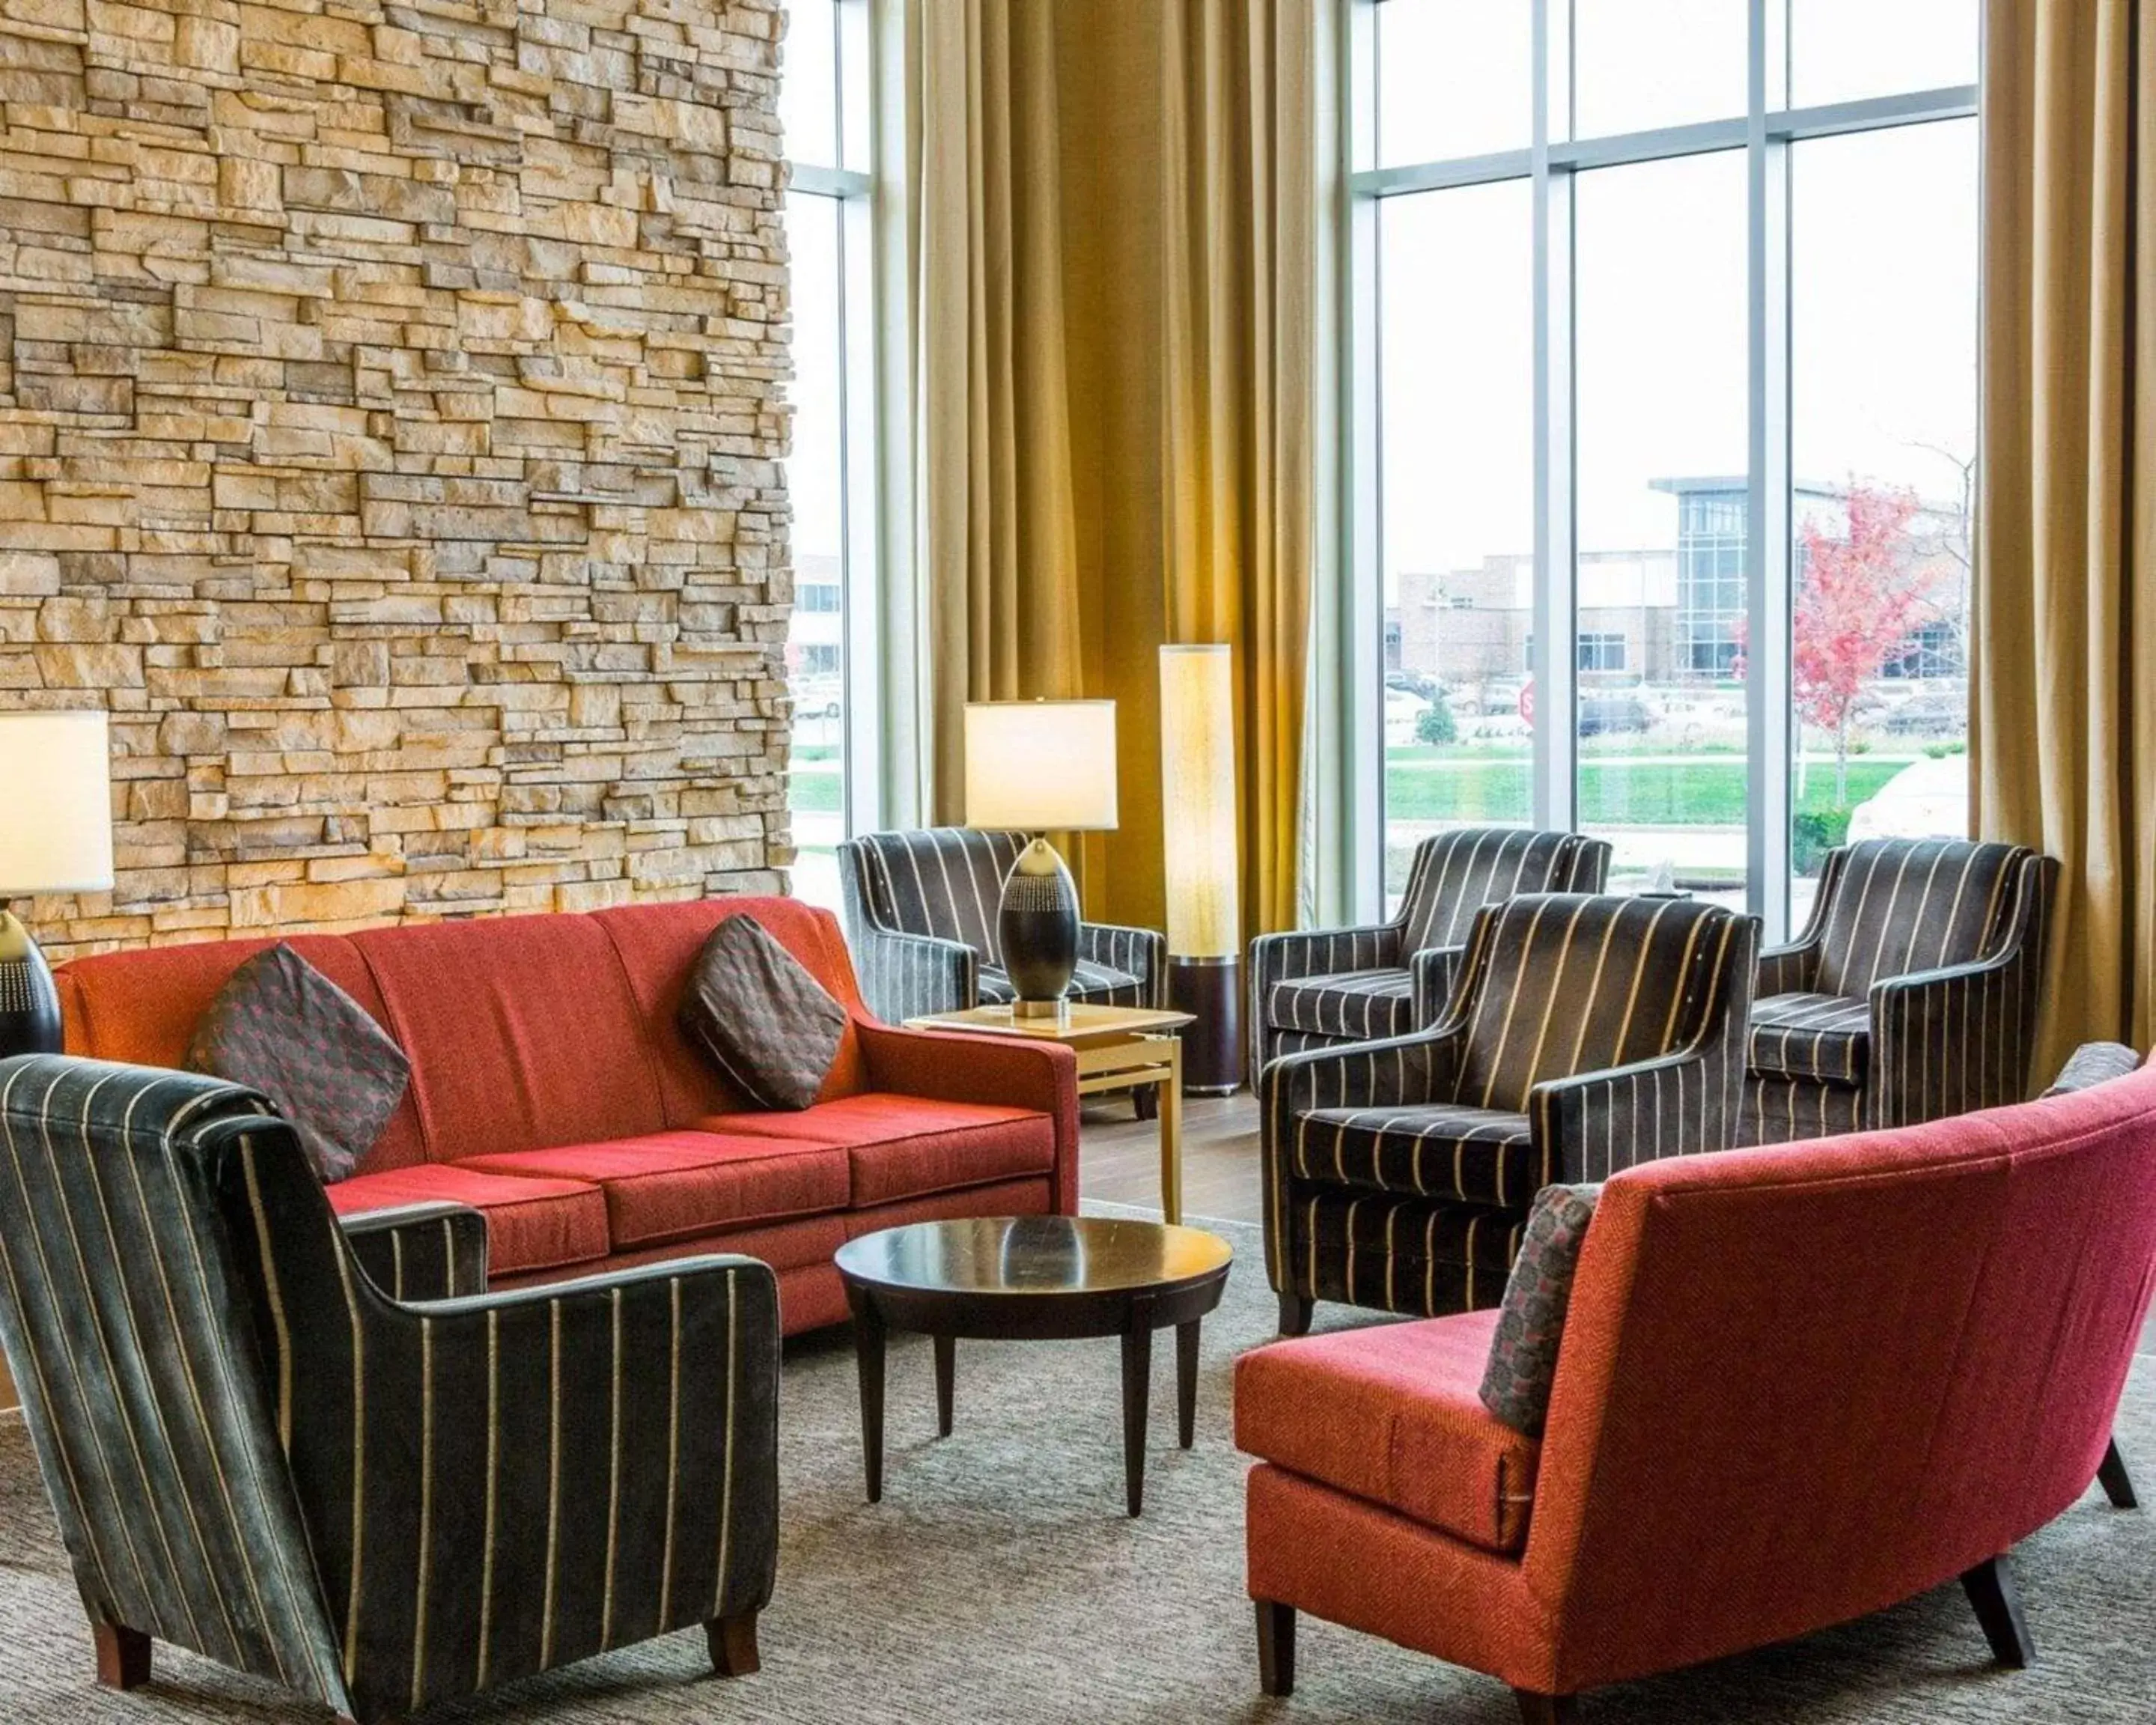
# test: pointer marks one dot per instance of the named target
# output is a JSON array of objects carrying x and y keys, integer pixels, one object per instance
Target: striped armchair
[
  {"x": 1911, "y": 995},
  {"x": 921, "y": 917},
  {"x": 256, "y": 1452},
  {"x": 1589, "y": 1034},
  {"x": 1322, "y": 988}
]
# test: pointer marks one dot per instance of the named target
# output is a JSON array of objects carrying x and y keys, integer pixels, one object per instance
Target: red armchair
[{"x": 1917, "y": 1344}]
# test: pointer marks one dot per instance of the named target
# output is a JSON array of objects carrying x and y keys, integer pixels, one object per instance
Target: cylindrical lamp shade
[
  {"x": 1041, "y": 766},
  {"x": 56, "y": 776},
  {"x": 1198, "y": 794}
]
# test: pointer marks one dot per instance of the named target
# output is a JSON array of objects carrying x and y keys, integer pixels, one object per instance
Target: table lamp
[
  {"x": 1039, "y": 766},
  {"x": 57, "y": 837},
  {"x": 1205, "y": 907}
]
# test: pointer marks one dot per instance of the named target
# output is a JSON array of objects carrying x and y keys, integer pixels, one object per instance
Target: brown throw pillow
[
  {"x": 769, "y": 1026},
  {"x": 1516, "y": 1384},
  {"x": 282, "y": 1027}
]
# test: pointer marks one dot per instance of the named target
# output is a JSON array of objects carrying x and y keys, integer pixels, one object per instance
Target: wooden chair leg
[
  {"x": 1990, "y": 1589},
  {"x": 2117, "y": 1483},
  {"x": 1547, "y": 1709},
  {"x": 123, "y": 1656},
  {"x": 733, "y": 1646},
  {"x": 1276, "y": 1648},
  {"x": 1295, "y": 1313}
]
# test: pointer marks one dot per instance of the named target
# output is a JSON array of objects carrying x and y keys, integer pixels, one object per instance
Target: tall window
[
  {"x": 1666, "y": 345},
  {"x": 824, "y": 112}
]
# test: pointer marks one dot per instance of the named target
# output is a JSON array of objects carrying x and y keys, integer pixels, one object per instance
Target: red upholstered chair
[{"x": 1795, "y": 1385}]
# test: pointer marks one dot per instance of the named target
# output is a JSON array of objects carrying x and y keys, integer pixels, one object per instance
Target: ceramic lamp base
[
  {"x": 1037, "y": 929},
  {"x": 30, "y": 1004}
]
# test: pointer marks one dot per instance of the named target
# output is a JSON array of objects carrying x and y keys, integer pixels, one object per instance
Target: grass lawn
[
  {"x": 815, "y": 792},
  {"x": 1708, "y": 792}
]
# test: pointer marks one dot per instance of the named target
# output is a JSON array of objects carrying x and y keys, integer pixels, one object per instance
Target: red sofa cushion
[
  {"x": 902, "y": 1147},
  {"x": 522, "y": 1030},
  {"x": 657, "y": 946},
  {"x": 142, "y": 1007},
  {"x": 1393, "y": 1414},
  {"x": 674, "y": 1186},
  {"x": 530, "y": 1224}
]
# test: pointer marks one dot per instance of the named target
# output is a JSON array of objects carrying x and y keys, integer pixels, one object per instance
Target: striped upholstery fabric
[
  {"x": 1912, "y": 993},
  {"x": 1318, "y": 981},
  {"x": 921, "y": 917},
  {"x": 420, "y": 1251},
  {"x": 256, "y": 1452},
  {"x": 1590, "y": 1034}
]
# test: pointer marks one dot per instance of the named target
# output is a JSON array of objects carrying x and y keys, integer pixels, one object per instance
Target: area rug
[{"x": 1000, "y": 1581}]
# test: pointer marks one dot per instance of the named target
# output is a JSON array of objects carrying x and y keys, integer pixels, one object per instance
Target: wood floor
[{"x": 1119, "y": 1157}]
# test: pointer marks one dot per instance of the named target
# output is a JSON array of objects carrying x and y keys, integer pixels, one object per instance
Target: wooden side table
[{"x": 1119, "y": 1047}]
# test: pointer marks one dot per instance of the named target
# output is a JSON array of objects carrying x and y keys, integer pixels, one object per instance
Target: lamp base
[
  {"x": 1037, "y": 929},
  {"x": 1210, "y": 990},
  {"x": 30, "y": 1004}
]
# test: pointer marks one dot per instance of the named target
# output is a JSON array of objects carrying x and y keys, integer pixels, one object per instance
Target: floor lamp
[
  {"x": 57, "y": 837},
  {"x": 1204, "y": 903}
]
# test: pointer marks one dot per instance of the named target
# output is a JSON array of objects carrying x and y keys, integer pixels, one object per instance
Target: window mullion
[{"x": 1556, "y": 598}]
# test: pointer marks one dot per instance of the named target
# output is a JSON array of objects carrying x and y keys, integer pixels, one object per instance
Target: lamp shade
[
  {"x": 56, "y": 780},
  {"x": 1197, "y": 790},
  {"x": 1041, "y": 766}
]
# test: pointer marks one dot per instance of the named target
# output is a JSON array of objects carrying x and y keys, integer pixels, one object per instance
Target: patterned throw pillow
[
  {"x": 1516, "y": 1384},
  {"x": 282, "y": 1027},
  {"x": 769, "y": 1026}
]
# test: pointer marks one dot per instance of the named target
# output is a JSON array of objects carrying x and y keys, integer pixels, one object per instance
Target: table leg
[
  {"x": 1137, "y": 1379},
  {"x": 868, "y": 1358},
  {"x": 946, "y": 1364},
  {"x": 1186, "y": 1383},
  {"x": 1171, "y": 1133}
]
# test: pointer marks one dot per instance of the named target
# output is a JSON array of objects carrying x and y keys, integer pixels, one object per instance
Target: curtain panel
[
  {"x": 2063, "y": 729},
  {"x": 1114, "y": 244}
]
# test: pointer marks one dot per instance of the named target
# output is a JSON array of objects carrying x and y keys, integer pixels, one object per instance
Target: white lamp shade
[
  {"x": 1041, "y": 766},
  {"x": 56, "y": 782},
  {"x": 1198, "y": 794}
]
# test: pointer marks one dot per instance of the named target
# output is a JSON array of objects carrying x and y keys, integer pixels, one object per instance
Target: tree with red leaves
[{"x": 1863, "y": 594}]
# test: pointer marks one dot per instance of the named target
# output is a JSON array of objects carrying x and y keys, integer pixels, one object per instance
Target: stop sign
[{"x": 1527, "y": 700}]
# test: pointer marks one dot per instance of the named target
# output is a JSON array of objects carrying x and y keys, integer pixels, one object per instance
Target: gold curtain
[
  {"x": 2064, "y": 662},
  {"x": 1133, "y": 222}
]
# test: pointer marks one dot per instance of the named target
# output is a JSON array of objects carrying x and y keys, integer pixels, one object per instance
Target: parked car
[
  {"x": 1412, "y": 682},
  {"x": 1603, "y": 714},
  {"x": 1403, "y": 711},
  {"x": 817, "y": 697},
  {"x": 1935, "y": 713}
]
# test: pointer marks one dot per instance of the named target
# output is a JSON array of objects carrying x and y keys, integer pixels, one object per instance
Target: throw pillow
[
  {"x": 769, "y": 1026},
  {"x": 1516, "y": 1384},
  {"x": 280, "y": 1026}
]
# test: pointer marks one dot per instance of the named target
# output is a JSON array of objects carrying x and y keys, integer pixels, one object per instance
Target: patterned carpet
[{"x": 999, "y": 1581}]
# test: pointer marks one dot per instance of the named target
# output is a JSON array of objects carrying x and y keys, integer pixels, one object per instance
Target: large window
[
  {"x": 823, "y": 112},
  {"x": 1665, "y": 345}
]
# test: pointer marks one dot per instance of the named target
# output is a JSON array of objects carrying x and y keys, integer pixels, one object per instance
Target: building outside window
[{"x": 1629, "y": 277}]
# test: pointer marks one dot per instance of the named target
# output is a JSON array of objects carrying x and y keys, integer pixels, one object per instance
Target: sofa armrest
[
  {"x": 1433, "y": 971},
  {"x": 420, "y": 1251},
  {"x": 1593, "y": 1125},
  {"x": 1141, "y": 952},
  {"x": 2094, "y": 1063},
  {"x": 1949, "y": 1041},
  {"x": 906, "y": 975},
  {"x": 951, "y": 1067},
  {"x": 1311, "y": 951},
  {"x": 1788, "y": 970}
]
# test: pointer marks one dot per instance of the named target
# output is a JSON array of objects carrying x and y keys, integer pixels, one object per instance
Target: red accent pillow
[
  {"x": 769, "y": 1026},
  {"x": 1516, "y": 1383},
  {"x": 280, "y": 1026}
]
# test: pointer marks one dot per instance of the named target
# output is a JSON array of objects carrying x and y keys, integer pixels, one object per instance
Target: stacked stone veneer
[{"x": 390, "y": 423}]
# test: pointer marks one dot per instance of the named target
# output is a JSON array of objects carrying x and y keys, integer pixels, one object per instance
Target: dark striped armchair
[
  {"x": 1589, "y": 1034},
  {"x": 920, "y": 918},
  {"x": 256, "y": 1451},
  {"x": 1912, "y": 993},
  {"x": 1322, "y": 988}
]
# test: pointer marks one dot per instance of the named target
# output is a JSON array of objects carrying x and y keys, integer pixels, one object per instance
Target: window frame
[{"x": 1550, "y": 162}]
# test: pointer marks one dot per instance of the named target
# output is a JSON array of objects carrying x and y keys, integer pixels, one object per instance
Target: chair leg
[
  {"x": 1295, "y": 1313},
  {"x": 123, "y": 1656},
  {"x": 1990, "y": 1589},
  {"x": 1276, "y": 1648},
  {"x": 733, "y": 1646},
  {"x": 1547, "y": 1709},
  {"x": 2117, "y": 1483}
]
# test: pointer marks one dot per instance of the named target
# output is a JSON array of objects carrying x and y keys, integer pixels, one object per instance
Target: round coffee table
[{"x": 1034, "y": 1279}]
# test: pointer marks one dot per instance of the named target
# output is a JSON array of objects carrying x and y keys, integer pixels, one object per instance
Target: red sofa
[
  {"x": 1795, "y": 1386},
  {"x": 552, "y": 1091}
]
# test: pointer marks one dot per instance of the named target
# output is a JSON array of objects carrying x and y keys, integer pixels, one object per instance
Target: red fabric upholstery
[
  {"x": 1392, "y": 1415},
  {"x": 1917, "y": 1345},
  {"x": 526, "y": 1032},
  {"x": 683, "y": 1185},
  {"x": 902, "y": 1147},
  {"x": 657, "y": 946},
  {"x": 806, "y": 1244},
  {"x": 531, "y": 1224},
  {"x": 1008, "y": 1198}
]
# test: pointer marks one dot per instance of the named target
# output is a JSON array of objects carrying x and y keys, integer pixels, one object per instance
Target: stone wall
[{"x": 390, "y": 426}]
